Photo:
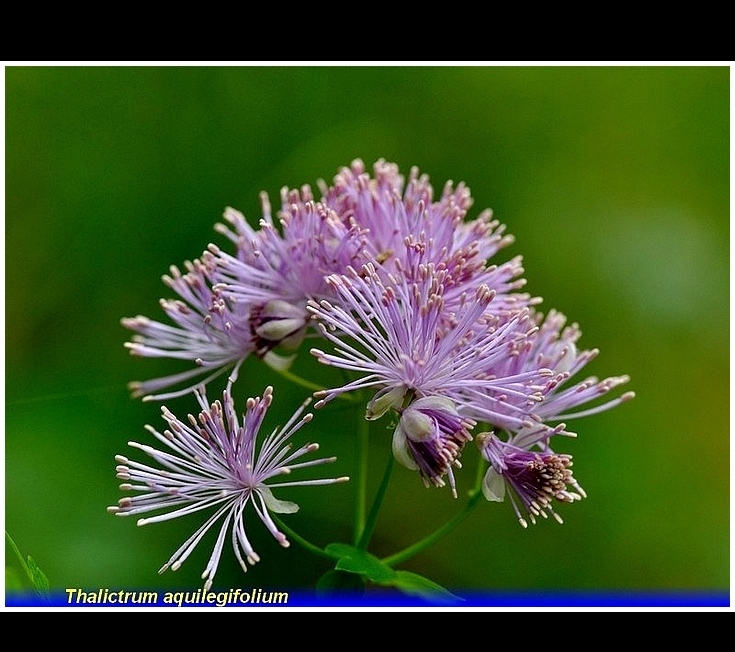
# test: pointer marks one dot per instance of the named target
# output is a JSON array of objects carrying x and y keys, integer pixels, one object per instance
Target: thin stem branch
[
  {"x": 312, "y": 387},
  {"x": 361, "y": 473},
  {"x": 417, "y": 547},
  {"x": 300, "y": 540},
  {"x": 474, "y": 497},
  {"x": 372, "y": 519}
]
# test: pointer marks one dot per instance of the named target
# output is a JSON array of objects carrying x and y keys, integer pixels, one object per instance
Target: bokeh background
[{"x": 614, "y": 180}]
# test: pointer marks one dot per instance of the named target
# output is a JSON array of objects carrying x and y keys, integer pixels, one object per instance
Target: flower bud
[
  {"x": 383, "y": 401},
  {"x": 279, "y": 322}
]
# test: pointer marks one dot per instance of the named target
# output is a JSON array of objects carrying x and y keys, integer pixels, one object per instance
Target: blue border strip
[{"x": 126, "y": 598}]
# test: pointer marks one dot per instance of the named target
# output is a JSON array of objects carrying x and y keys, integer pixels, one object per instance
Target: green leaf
[
  {"x": 335, "y": 580},
  {"x": 39, "y": 581},
  {"x": 354, "y": 560},
  {"x": 417, "y": 585},
  {"x": 35, "y": 575},
  {"x": 17, "y": 552}
]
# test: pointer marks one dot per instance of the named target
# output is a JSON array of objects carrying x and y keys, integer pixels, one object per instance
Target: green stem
[
  {"x": 361, "y": 473},
  {"x": 372, "y": 519},
  {"x": 474, "y": 497},
  {"x": 298, "y": 380},
  {"x": 479, "y": 475},
  {"x": 312, "y": 387},
  {"x": 300, "y": 540}
]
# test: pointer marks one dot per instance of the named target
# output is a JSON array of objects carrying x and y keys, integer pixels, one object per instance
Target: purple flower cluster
[{"x": 403, "y": 289}]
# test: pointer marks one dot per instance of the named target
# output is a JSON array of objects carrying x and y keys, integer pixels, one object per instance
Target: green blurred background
[{"x": 614, "y": 180}]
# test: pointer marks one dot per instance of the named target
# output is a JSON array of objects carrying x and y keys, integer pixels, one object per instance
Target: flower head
[
  {"x": 290, "y": 264},
  {"x": 536, "y": 478},
  {"x": 402, "y": 337},
  {"x": 406, "y": 228},
  {"x": 430, "y": 437},
  {"x": 552, "y": 346},
  {"x": 210, "y": 332},
  {"x": 555, "y": 347},
  {"x": 214, "y": 463}
]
